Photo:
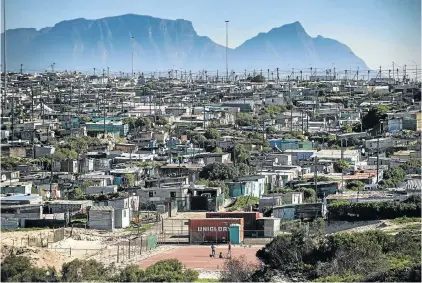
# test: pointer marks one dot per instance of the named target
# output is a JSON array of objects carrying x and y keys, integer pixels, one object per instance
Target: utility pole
[
  {"x": 227, "y": 50},
  {"x": 378, "y": 151},
  {"x": 132, "y": 38},
  {"x": 102, "y": 85},
  {"x": 277, "y": 76},
  {"x": 393, "y": 75},
  {"x": 5, "y": 69},
  {"x": 32, "y": 104},
  {"x": 404, "y": 75},
  {"x": 291, "y": 117},
  {"x": 79, "y": 100},
  {"x": 316, "y": 173}
]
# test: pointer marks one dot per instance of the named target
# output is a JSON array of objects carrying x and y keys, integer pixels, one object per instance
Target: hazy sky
[{"x": 378, "y": 31}]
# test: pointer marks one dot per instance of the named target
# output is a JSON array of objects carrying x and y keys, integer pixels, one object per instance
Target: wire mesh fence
[
  {"x": 124, "y": 251},
  {"x": 43, "y": 239}
]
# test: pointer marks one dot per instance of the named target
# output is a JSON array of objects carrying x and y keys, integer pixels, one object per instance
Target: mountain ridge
[{"x": 159, "y": 44}]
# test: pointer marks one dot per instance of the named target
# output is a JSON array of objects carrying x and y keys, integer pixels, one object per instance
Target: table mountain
[{"x": 161, "y": 44}]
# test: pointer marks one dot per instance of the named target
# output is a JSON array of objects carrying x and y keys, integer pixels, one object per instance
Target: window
[
  {"x": 173, "y": 194},
  {"x": 151, "y": 194},
  {"x": 124, "y": 213}
]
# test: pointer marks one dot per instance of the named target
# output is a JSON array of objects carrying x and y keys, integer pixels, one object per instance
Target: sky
[{"x": 378, "y": 31}]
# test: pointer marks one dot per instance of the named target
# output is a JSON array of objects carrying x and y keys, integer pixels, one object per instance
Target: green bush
[
  {"x": 308, "y": 254},
  {"x": 243, "y": 202},
  {"x": 84, "y": 270},
  {"x": 19, "y": 269},
  {"x": 362, "y": 211}
]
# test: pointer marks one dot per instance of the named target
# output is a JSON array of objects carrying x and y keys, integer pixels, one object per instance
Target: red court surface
[{"x": 198, "y": 257}]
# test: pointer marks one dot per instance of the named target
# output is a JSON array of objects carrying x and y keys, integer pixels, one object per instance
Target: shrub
[
  {"x": 83, "y": 270},
  {"x": 346, "y": 211}
]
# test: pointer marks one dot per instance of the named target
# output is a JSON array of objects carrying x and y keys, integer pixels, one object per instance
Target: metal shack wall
[
  {"x": 213, "y": 229},
  {"x": 249, "y": 219}
]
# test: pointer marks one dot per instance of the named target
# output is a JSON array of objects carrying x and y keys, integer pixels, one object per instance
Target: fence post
[
  {"x": 28, "y": 240},
  {"x": 70, "y": 251},
  {"x": 129, "y": 249},
  {"x": 140, "y": 251},
  {"x": 118, "y": 253}
]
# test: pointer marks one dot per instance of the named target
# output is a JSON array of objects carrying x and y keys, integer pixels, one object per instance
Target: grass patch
[
  {"x": 242, "y": 202},
  {"x": 142, "y": 229},
  {"x": 206, "y": 280},
  {"x": 404, "y": 220}
]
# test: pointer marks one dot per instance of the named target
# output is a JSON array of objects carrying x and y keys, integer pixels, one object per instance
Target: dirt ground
[
  {"x": 38, "y": 256},
  {"x": 189, "y": 215}
]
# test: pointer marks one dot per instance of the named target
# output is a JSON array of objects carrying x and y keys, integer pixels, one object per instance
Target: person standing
[
  {"x": 229, "y": 254},
  {"x": 212, "y": 250}
]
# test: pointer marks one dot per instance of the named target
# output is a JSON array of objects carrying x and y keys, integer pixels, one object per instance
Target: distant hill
[{"x": 161, "y": 44}]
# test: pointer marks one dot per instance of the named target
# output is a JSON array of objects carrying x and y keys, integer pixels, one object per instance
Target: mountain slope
[
  {"x": 290, "y": 46},
  {"x": 160, "y": 44}
]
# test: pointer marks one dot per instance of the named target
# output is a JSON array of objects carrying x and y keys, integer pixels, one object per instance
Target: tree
[
  {"x": 346, "y": 128},
  {"x": 246, "y": 119},
  {"x": 243, "y": 169},
  {"x": 355, "y": 185},
  {"x": 237, "y": 269},
  {"x": 79, "y": 144},
  {"x": 131, "y": 273},
  {"x": 130, "y": 179},
  {"x": 64, "y": 153},
  {"x": 340, "y": 165},
  {"x": 374, "y": 116},
  {"x": 196, "y": 137},
  {"x": 212, "y": 134},
  {"x": 218, "y": 150},
  {"x": 170, "y": 270},
  {"x": 160, "y": 120},
  {"x": 129, "y": 121},
  {"x": 84, "y": 270},
  {"x": 257, "y": 79},
  {"x": 20, "y": 269},
  {"x": 393, "y": 177},
  {"x": 309, "y": 194},
  {"x": 143, "y": 122},
  {"x": 240, "y": 154},
  {"x": 271, "y": 130},
  {"x": 217, "y": 171}
]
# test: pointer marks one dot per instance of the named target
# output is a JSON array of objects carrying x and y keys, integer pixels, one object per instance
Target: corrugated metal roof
[
  {"x": 103, "y": 208},
  {"x": 20, "y": 197}
]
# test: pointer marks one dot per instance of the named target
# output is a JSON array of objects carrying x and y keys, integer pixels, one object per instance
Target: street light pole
[
  {"x": 132, "y": 38},
  {"x": 5, "y": 69},
  {"x": 416, "y": 71},
  {"x": 227, "y": 48}
]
